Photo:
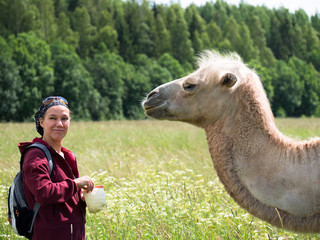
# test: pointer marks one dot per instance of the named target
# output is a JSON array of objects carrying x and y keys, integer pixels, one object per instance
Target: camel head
[{"x": 204, "y": 96}]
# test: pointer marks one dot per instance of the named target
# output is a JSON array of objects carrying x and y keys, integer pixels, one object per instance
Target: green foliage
[
  {"x": 72, "y": 79},
  {"x": 81, "y": 23},
  {"x": 105, "y": 55},
  {"x": 311, "y": 80},
  {"x": 288, "y": 89},
  {"x": 33, "y": 58},
  {"x": 172, "y": 65},
  {"x": 64, "y": 31},
  {"x": 107, "y": 70},
  {"x": 181, "y": 46},
  {"x": 162, "y": 36},
  {"x": 10, "y": 83}
]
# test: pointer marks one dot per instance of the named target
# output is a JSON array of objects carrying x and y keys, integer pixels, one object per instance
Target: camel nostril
[{"x": 151, "y": 94}]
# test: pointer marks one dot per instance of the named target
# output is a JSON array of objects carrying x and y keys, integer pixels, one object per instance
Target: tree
[
  {"x": 10, "y": 84},
  {"x": 158, "y": 74},
  {"x": 288, "y": 89},
  {"x": 144, "y": 41},
  {"x": 126, "y": 49},
  {"x": 140, "y": 31},
  {"x": 314, "y": 58},
  {"x": 207, "y": 12},
  {"x": 283, "y": 35},
  {"x": 246, "y": 47},
  {"x": 311, "y": 82},
  {"x": 136, "y": 86},
  {"x": 64, "y": 31},
  {"x": 107, "y": 70},
  {"x": 108, "y": 36},
  {"x": 220, "y": 13},
  {"x": 81, "y": 24},
  {"x": 60, "y": 6},
  {"x": 147, "y": 75},
  {"x": 264, "y": 14},
  {"x": 72, "y": 80},
  {"x": 146, "y": 35},
  {"x": 315, "y": 22},
  {"x": 32, "y": 57},
  {"x": 196, "y": 27},
  {"x": 180, "y": 43},
  {"x": 172, "y": 65},
  {"x": 162, "y": 36},
  {"x": 214, "y": 33},
  {"x": 47, "y": 19},
  {"x": 100, "y": 12},
  {"x": 18, "y": 16},
  {"x": 264, "y": 53},
  {"x": 231, "y": 32}
]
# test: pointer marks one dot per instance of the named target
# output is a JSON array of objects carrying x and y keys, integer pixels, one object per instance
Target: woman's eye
[{"x": 189, "y": 86}]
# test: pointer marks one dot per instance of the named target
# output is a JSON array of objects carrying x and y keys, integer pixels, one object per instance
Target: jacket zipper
[{"x": 71, "y": 229}]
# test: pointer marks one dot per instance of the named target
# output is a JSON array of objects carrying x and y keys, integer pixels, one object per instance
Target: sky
[{"x": 309, "y": 6}]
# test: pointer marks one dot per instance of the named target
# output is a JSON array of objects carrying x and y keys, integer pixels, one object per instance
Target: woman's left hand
[{"x": 85, "y": 182}]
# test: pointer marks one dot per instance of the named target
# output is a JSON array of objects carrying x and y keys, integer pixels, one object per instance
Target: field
[{"x": 158, "y": 177}]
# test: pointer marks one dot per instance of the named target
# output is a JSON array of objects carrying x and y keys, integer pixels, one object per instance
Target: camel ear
[{"x": 229, "y": 80}]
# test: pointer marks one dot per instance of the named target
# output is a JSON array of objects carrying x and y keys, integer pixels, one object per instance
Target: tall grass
[{"x": 158, "y": 177}]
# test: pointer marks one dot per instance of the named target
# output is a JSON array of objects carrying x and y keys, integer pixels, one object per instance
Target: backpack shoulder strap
[
  {"x": 46, "y": 152},
  {"x": 50, "y": 163},
  {"x": 35, "y": 212}
]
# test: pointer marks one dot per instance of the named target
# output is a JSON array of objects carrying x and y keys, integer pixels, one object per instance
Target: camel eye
[
  {"x": 229, "y": 80},
  {"x": 189, "y": 86}
]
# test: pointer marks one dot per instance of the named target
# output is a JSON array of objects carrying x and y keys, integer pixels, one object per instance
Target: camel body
[{"x": 273, "y": 177}]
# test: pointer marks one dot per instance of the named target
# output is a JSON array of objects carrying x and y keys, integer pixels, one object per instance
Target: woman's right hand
[{"x": 84, "y": 182}]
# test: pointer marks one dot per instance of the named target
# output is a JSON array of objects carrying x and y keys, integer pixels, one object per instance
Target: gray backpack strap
[
  {"x": 50, "y": 163},
  {"x": 35, "y": 212}
]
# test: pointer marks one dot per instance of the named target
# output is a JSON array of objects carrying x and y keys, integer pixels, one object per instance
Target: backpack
[{"x": 20, "y": 216}]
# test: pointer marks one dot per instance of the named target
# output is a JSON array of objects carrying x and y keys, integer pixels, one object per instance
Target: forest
[{"x": 104, "y": 56}]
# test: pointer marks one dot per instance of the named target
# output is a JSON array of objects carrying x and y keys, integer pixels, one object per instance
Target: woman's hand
[{"x": 85, "y": 183}]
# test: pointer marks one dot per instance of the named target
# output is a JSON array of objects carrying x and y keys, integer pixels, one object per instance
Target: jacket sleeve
[{"x": 35, "y": 171}]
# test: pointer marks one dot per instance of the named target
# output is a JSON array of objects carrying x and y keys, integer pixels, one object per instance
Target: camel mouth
[
  {"x": 154, "y": 110},
  {"x": 153, "y": 107},
  {"x": 149, "y": 107}
]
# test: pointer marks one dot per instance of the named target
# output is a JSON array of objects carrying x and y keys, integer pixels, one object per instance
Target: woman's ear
[{"x": 41, "y": 122}]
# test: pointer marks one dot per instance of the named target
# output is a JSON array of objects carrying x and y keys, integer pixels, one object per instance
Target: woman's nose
[{"x": 60, "y": 122}]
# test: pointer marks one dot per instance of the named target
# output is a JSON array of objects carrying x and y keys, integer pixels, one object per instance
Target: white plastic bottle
[{"x": 96, "y": 200}]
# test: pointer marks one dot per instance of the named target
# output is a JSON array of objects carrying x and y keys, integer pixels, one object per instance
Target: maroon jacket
[{"x": 62, "y": 212}]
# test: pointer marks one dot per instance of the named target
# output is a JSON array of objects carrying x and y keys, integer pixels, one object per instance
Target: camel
[{"x": 272, "y": 176}]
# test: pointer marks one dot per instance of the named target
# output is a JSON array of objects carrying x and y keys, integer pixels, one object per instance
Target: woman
[{"x": 62, "y": 213}]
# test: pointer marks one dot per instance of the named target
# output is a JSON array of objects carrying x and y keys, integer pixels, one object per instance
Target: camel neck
[{"x": 268, "y": 164}]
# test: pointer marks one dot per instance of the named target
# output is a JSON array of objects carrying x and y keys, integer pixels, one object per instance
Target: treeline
[{"x": 104, "y": 56}]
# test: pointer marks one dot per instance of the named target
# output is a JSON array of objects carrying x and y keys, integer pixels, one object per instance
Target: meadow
[{"x": 159, "y": 180}]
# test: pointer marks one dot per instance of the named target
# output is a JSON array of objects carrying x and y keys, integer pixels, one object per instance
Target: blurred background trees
[{"x": 104, "y": 56}]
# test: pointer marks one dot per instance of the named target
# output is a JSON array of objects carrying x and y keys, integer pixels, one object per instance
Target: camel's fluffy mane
[
  {"x": 226, "y": 61},
  {"x": 208, "y": 57}
]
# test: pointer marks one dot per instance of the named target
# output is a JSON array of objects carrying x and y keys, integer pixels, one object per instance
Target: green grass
[{"x": 158, "y": 177}]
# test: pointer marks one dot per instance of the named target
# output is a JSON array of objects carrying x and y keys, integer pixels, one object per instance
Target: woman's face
[{"x": 55, "y": 123}]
